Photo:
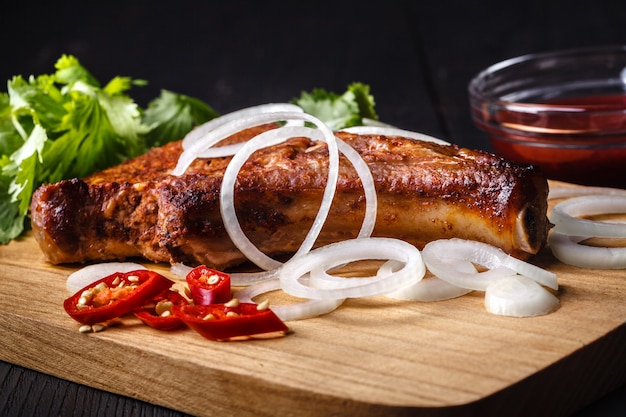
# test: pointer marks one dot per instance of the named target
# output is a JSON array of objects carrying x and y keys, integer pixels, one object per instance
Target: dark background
[{"x": 418, "y": 57}]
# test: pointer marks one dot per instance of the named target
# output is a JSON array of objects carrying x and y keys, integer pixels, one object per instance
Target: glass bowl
[{"x": 562, "y": 111}]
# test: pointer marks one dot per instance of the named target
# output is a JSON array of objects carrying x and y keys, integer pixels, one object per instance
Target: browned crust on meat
[{"x": 426, "y": 191}]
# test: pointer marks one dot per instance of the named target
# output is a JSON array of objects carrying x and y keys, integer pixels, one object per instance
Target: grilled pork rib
[{"x": 425, "y": 192}]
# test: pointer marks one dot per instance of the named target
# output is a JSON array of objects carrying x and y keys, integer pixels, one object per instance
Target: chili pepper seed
[
  {"x": 84, "y": 328},
  {"x": 162, "y": 307},
  {"x": 98, "y": 327},
  {"x": 232, "y": 303}
]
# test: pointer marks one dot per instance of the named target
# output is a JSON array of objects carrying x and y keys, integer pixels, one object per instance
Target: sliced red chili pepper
[
  {"x": 158, "y": 311},
  {"x": 224, "y": 322},
  {"x": 115, "y": 295},
  {"x": 208, "y": 286}
]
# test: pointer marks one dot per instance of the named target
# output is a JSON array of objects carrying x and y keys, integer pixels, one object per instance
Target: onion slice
[
  {"x": 537, "y": 274},
  {"x": 243, "y": 279},
  {"x": 450, "y": 260},
  {"x": 569, "y": 250},
  {"x": 220, "y": 151},
  {"x": 199, "y": 132},
  {"x": 367, "y": 226},
  {"x": 367, "y": 182},
  {"x": 91, "y": 273},
  {"x": 222, "y": 131},
  {"x": 180, "y": 270},
  {"x": 566, "y": 220},
  {"x": 392, "y": 131},
  {"x": 578, "y": 191},
  {"x": 373, "y": 122},
  {"x": 519, "y": 296},
  {"x": 444, "y": 258},
  {"x": 320, "y": 278},
  {"x": 267, "y": 139},
  {"x": 288, "y": 312},
  {"x": 428, "y": 289},
  {"x": 295, "y": 279}
]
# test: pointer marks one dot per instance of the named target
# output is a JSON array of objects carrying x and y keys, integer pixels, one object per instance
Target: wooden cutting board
[{"x": 371, "y": 357}]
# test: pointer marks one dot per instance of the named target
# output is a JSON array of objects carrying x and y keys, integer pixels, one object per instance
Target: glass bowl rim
[{"x": 478, "y": 93}]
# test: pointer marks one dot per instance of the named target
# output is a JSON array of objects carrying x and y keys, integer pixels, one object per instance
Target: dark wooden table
[{"x": 418, "y": 57}]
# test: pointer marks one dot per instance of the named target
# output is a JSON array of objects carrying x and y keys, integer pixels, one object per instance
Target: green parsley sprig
[
  {"x": 65, "y": 125},
  {"x": 339, "y": 111}
]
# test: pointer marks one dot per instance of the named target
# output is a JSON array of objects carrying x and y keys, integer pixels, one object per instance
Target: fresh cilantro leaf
[
  {"x": 339, "y": 111},
  {"x": 119, "y": 85},
  {"x": 173, "y": 115},
  {"x": 10, "y": 140},
  {"x": 23, "y": 185},
  {"x": 36, "y": 99},
  {"x": 361, "y": 95},
  {"x": 11, "y": 222},
  {"x": 17, "y": 182},
  {"x": 69, "y": 71},
  {"x": 100, "y": 130}
]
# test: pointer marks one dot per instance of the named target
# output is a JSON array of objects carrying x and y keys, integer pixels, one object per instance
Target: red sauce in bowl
[
  {"x": 580, "y": 139},
  {"x": 564, "y": 111}
]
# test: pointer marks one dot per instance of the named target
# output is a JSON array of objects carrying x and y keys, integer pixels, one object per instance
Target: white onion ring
[
  {"x": 443, "y": 257},
  {"x": 223, "y": 130},
  {"x": 320, "y": 278},
  {"x": 369, "y": 188},
  {"x": 537, "y": 274},
  {"x": 373, "y": 122},
  {"x": 220, "y": 151},
  {"x": 293, "y": 274},
  {"x": 450, "y": 260},
  {"x": 519, "y": 296},
  {"x": 578, "y": 191},
  {"x": 428, "y": 289},
  {"x": 243, "y": 279},
  {"x": 392, "y": 131},
  {"x": 91, "y": 273},
  {"x": 268, "y": 138},
  {"x": 288, "y": 312},
  {"x": 565, "y": 218},
  {"x": 197, "y": 134},
  {"x": 568, "y": 250},
  {"x": 367, "y": 180},
  {"x": 180, "y": 270}
]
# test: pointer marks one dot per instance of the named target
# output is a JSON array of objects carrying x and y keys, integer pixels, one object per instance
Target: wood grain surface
[
  {"x": 418, "y": 57},
  {"x": 373, "y": 356}
]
